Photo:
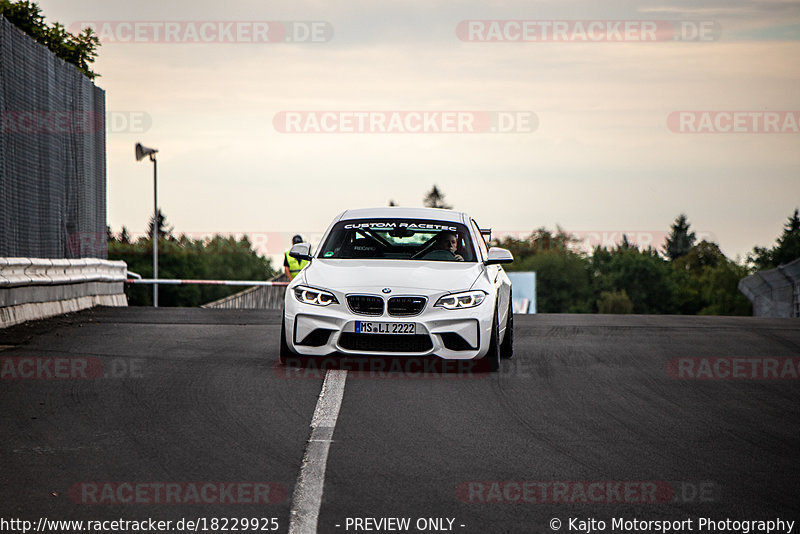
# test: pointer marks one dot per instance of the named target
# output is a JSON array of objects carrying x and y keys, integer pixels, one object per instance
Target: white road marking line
[{"x": 307, "y": 496}]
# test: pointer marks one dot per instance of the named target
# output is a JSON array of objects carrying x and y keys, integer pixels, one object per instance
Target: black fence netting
[{"x": 52, "y": 154}]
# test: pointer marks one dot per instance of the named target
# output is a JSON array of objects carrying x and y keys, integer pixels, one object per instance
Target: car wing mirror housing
[
  {"x": 301, "y": 251},
  {"x": 499, "y": 256}
]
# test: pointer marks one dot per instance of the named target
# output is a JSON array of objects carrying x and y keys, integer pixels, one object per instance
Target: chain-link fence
[
  {"x": 774, "y": 293},
  {"x": 52, "y": 154}
]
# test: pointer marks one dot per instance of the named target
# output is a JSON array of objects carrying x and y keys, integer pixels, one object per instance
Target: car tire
[
  {"x": 507, "y": 347},
  {"x": 285, "y": 352},
  {"x": 493, "y": 355}
]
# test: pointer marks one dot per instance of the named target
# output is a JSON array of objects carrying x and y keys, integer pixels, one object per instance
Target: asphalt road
[{"x": 596, "y": 417}]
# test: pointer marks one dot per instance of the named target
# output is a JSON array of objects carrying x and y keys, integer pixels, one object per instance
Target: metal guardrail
[
  {"x": 775, "y": 292},
  {"x": 255, "y": 298},
  {"x": 261, "y": 297},
  {"x": 265, "y": 295}
]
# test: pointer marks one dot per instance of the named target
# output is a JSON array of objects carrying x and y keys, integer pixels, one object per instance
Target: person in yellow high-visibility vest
[{"x": 292, "y": 266}]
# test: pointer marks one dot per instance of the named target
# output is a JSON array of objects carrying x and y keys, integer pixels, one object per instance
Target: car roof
[{"x": 393, "y": 212}]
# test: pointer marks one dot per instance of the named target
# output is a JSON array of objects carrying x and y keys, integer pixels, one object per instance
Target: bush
[{"x": 614, "y": 302}]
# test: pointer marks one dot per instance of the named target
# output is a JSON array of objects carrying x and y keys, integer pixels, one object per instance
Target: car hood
[{"x": 374, "y": 275}]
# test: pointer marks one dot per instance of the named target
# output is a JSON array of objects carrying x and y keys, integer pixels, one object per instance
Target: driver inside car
[{"x": 446, "y": 246}]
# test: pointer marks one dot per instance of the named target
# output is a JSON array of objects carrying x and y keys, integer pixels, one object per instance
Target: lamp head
[{"x": 142, "y": 151}]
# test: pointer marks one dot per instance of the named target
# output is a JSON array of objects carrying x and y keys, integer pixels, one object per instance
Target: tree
[
  {"x": 679, "y": 240},
  {"x": 435, "y": 199},
  {"x": 626, "y": 244},
  {"x": 720, "y": 290},
  {"x": 562, "y": 281},
  {"x": 124, "y": 237},
  {"x": 164, "y": 231},
  {"x": 707, "y": 283},
  {"x": 703, "y": 254},
  {"x": 786, "y": 249},
  {"x": 789, "y": 243},
  {"x": 614, "y": 302},
  {"x": 645, "y": 277},
  {"x": 562, "y": 275},
  {"x": 79, "y": 50},
  {"x": 220, "y": 257},
  {"x": 687, "y": 272},
  {"x": 625, "y": 279},
  {"x": 540, "y": 240}
]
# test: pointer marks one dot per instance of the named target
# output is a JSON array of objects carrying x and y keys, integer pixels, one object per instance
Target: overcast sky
[{"x": 607, "y": 149}]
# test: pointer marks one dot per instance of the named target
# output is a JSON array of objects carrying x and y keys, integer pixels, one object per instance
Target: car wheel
[
  {"x": 493, "y": 356},
  {"x": 507, "y": 347},
  {"x": 285, "y": 352}
]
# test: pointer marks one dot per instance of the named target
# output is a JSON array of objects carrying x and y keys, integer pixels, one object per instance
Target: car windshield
[{"x": 398, "y": 239}]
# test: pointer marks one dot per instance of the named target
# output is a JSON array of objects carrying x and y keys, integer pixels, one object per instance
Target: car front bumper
[{"x": 448, "y": 334}]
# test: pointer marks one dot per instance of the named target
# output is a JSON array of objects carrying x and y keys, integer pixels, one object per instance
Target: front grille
[
  {"x": 385, "y": 342},
  {"x": 365, "y": 304},
  {"x": 406, "y": 306}
]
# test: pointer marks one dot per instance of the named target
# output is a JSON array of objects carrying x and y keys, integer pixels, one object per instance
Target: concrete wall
[{"x": 33, "y": 288}]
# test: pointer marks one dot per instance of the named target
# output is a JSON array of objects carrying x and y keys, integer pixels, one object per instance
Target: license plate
[{"x": 371, "y": 327}]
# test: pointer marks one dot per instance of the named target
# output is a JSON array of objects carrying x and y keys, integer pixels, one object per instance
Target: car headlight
[
  {"x": 457, "y": 301},
  {"x": 316, "y": 297}
]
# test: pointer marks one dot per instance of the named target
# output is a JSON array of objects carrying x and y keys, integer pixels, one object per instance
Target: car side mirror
[
  {"x": 498, "y": 256},
  {"x": 301, "y": 251}
]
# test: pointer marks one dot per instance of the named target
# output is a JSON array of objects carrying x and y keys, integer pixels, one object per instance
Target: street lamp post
[{"x": 141, "y": 152}]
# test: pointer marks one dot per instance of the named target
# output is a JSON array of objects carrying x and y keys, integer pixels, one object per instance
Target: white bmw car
[{"x": 400, "y": 282}]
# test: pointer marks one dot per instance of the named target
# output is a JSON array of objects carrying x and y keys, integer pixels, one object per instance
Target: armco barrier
[
  {"x": 774, "y": 293},
  {"x": 35, "y": 288},
  {"x": 255, "y": 298}
]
